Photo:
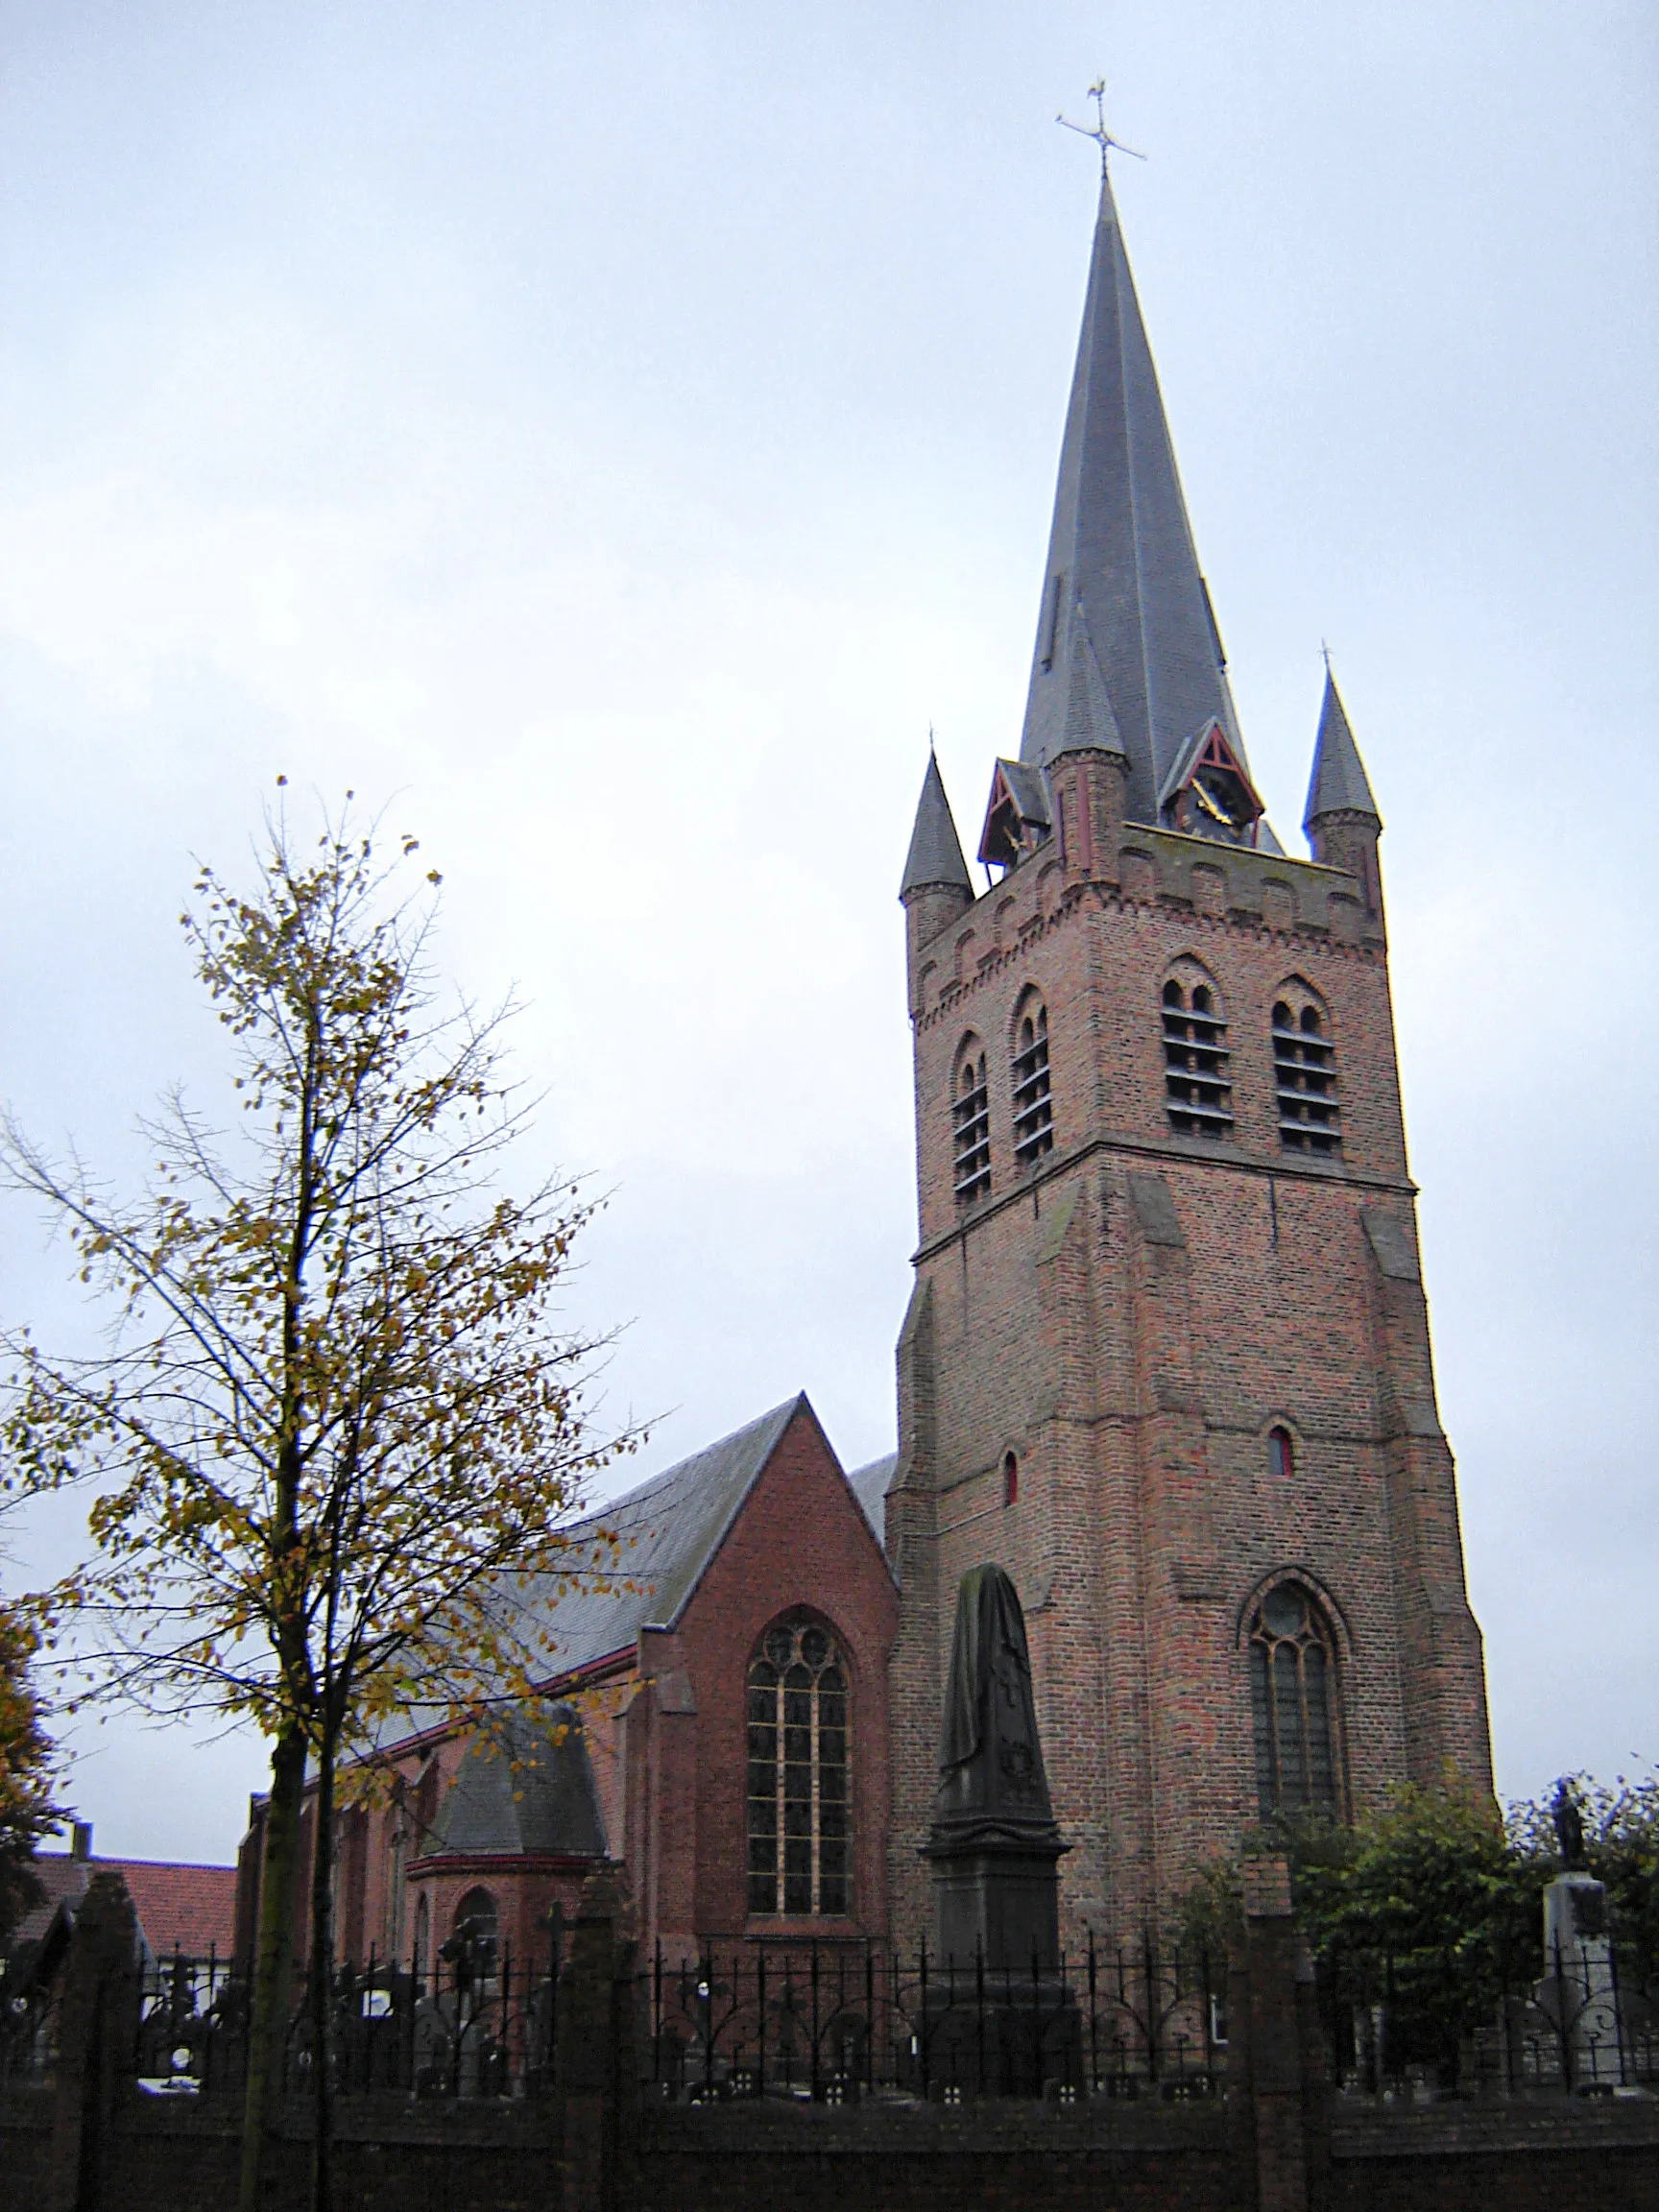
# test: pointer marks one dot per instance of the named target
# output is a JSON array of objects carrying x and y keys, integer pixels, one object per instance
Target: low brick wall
[
  {"x": 903, "y": 2158},
  {"x": 1547, "y": 2155},
  {"x": 184, "y": 2155}
]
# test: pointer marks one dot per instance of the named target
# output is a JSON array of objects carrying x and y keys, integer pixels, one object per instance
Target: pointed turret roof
[
  {"x": 1121, "y": 548},
  {"x": 1340, "y": 784},
  {"x": 934, "y": 859},
  {"x": 1090, "y": 722}
]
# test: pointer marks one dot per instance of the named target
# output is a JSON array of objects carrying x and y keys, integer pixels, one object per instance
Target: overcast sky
[{"x": 611, "y": 434}]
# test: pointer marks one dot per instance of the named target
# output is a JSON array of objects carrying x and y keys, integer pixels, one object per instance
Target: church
[{"x": 1166, "y": 1361}]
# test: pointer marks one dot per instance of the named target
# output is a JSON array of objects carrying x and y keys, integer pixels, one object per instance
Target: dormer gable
[
  {"x": 1208, "y": 792},
  {"x": 1017, "y": 817}
]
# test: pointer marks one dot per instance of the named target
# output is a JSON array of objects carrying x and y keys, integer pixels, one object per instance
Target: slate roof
[
  {"x": 527, "y": 1789},
  {"x": 1121, "y": 549},
  {"x": 870, "y": 1486},
  {"x": 1340, "y": 784},
  {"x": 667, "y": 1530},
  {"x": 935, "y": 854}
]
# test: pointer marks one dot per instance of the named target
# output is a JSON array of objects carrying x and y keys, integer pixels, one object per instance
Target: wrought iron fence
[
  {"x": 1579, "y": 2021},
  {"x": 831, "y": 2023},
  {"x": 28, "y": 2033},
  {"x": 472, "y": 2023}
]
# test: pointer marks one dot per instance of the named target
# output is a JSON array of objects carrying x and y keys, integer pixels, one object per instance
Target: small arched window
[
  {"x": 423, "y": 1937},
  {"x": 1197, "y": 1085},
  {"x": 1010, "y": 1480},
  {"x": 1033, "y": 1106},
  {"x": 799, "y": 1809},
  {"x": 1293, "y": 1703},
  {"x": 1305, "y": 1077},
  {"x": 1281, "y": 1454},
  {"x": 970, "y": 1125}
]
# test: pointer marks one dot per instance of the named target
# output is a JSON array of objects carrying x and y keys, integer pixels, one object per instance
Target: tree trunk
[
  {"x": 323, "y": 1977},
  {"x": 273, "y": 1965}
]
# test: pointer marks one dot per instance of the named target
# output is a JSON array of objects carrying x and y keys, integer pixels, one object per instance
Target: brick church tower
[{"x": 1166, "y": 1358}]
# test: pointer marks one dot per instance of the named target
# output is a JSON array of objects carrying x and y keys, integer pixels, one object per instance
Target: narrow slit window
[
  {"x": 1305, "y": 1080},
  {"x": 1281, "y": 1454},
  {"x": 971, "y": 1127},
  {"x": 800, "y": 1805},
  {"x": 1011, "y": 1481},
  {"x": 1033, "y": 1104},
  {"x": 1292, "y": 1704},
  {"x": 1197, "y": 1085}
]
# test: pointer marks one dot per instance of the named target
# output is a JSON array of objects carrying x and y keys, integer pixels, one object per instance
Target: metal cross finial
[{"x": 1101, "y": 136}]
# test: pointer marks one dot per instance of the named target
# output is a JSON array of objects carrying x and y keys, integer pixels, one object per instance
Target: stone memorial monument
[
  {"x": 994, "y": 1846},
  {"x": 1580, "y": 1991},
  {"x": 999, "y": 2008}
]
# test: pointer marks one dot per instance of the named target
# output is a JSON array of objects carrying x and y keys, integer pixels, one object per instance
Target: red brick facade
[
  {"x": 663, "y": 1719},
  {"x": 1132, "y": 1315}
]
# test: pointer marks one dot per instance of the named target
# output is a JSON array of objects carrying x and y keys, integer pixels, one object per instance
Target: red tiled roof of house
[{"x": 189, "y": 1909}]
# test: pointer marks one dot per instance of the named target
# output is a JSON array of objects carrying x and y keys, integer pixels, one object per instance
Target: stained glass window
[{"x": 799, "y": 1812}]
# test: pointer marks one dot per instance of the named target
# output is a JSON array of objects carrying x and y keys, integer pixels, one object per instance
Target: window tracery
[
  {"x": 800, "y": 1815},
  {"x": 1293, "y": 1703}
]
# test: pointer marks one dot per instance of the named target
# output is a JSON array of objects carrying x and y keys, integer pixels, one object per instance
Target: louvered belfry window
[
  {"x": 1305, "y": 1079},
  {"x": 971, "y": 1126},
  {"x": 799, "y": 1813},
  {"x": 1292, "y": 1704},
  {"x": 1033, "y": 1104},
  {"x": 1197, "y": 1087}
]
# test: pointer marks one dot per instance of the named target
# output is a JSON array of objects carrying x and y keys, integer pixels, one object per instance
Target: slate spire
[
  {"x": 1120, "y": 549},
  {"x": 1338, "y": 784},
  {"x": 934, "y": 862}
]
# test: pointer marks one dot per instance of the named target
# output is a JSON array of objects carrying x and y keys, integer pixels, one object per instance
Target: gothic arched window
[
  {"x": 1197, "y": 1087},
  {"x": 1281, "y": 1454},
  {"x": 1033, "y": 1106},
  {"x": 799, "y": 1810},
  {"x": 1293, "y": 1703},
  {"x": 969, "y": 1124},
  {"x": 1304, "y": 1076}
]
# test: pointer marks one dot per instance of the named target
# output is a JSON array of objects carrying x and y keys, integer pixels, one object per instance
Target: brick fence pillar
[
  {"x": 596, "y": 2070},
  {"x": 97, "y": 2032},
  {"x": 1282, "y": 2097}
]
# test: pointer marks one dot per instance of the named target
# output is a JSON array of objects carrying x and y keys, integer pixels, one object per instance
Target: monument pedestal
[
  {"x": 1580, "y": 1991},
  {"x": 997, "y": 1894}
]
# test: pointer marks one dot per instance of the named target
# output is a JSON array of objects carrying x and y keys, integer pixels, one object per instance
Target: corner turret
[
  {"x": 936, "y": 886},
  {"x": 1341, "y": 818}
]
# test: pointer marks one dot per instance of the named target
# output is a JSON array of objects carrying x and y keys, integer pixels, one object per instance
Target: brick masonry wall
[
  {"x": 1130, "y": 1319},
  {"x": 178, "y": 2157},
  {"x": 801, "y": 1542}
]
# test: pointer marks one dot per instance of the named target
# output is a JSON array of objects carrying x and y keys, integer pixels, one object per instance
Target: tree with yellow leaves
[
  {"x": 26, "y": 1807},
  {"x": 342, "y": 1415}
]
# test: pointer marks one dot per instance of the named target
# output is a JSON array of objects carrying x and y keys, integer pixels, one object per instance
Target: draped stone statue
[{"x": 994, "y": 1846}]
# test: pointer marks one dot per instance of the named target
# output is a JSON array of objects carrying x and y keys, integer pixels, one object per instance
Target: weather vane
[{"x": 1101, "y": 136}]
